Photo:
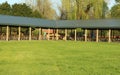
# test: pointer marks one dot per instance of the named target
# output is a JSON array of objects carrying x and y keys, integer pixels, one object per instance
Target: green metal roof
[{"x": 37, "y": 22}]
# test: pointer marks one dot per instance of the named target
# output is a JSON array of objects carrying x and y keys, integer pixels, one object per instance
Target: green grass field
[{"x": 59, "y": 58}]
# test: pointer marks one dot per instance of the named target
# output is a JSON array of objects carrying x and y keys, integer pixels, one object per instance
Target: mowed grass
[{"x": 59, "y": 58}]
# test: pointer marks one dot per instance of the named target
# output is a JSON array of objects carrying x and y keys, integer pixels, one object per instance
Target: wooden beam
[
  {"x": 75, "y": 34},
  {"x": 30, "y": 33},
  {"x": 85, "y": 35},
  {"x": 7, "y": 33},
  {"x": 54, "y": 33},
  {"x": 97, "y": 35},
  {"x": 40, "y": 33},
  {"x": 109, "y": 36},
  {"x": 19, "y": 33},
  {"x": 65, "y": 34},
  {"x": 57, "y": 33},
  {"x": 49, "y": 34}
]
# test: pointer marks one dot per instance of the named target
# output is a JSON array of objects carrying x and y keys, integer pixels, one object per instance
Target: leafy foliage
[
  {"x": 5, "y": 9},
  {"x": 36, "y": 14},
  {"x": 117, "y": 0},
  {"x": 115, "y": 11},
  {"x": 79, "y": 9},
  {"x": 44, "y": 7},
  {"x": 19, "y": 10}
]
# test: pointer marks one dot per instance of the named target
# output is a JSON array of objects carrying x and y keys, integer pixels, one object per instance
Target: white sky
[
  {"x": 56, "y": 4},
  {"x": 11, "y": 1},
  {"x": 111, "y": 3}
]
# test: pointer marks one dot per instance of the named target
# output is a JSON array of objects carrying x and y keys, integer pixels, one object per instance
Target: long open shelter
[{"x": 21, "y": 28}]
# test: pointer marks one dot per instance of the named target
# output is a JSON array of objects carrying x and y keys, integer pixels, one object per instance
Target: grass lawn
[{"x": 59, "y": 58}]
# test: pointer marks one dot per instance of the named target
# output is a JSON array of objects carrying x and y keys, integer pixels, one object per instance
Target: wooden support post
[
  {"x": 7, "y": 33},
  {"x": 57, "y": 34},
  {"x": 109, "y": 37},
  {"x": 75, "y": 34},
  {"x": 65, "y": 34},
  {"x": 49, "y": 34},
  {"x": 19, "y": 33},
  {"x": 54, "y": 34},
  {"x": 40, "y": 33},
  {"x": 53, "y": 37},
  {"x": 97, "y": 35},
  {"x": 30, "y": 32},
  {"x": 85, "y": 35}
]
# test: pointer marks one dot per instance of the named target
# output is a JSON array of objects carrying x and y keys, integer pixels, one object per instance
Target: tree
[
  {"x": 83, "y": 9},
  {"x": 115, "y": 11},
  {"x": 44, "y": 7},
  {"x": 21, "y": 10},
  {"x": 36, "y": 14},
  {"x": 5, "y": 8},
  {"x": 118, "y": 1}
]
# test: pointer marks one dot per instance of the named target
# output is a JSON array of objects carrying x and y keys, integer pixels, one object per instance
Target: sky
[
  {"x": 11, "y": 1},
  {"x": 55, "y": 3},
  {"x": 111, "y": 3}
]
